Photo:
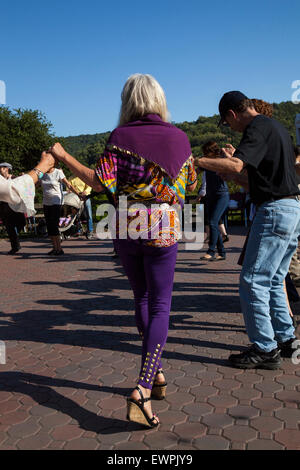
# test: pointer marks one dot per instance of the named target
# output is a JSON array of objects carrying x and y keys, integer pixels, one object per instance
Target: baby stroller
[{"x": 72, "y": 212}]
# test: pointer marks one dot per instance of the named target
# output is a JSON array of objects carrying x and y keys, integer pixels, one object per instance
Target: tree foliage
[
  {"x": 24, "y": 134},
  {"x": 88, "y": 147}
]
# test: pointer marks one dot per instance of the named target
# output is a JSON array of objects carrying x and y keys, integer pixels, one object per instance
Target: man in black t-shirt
[{"x": 266, "y": 152}]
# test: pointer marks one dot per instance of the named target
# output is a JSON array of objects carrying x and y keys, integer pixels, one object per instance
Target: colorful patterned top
[{"x": 140, "y": 181}]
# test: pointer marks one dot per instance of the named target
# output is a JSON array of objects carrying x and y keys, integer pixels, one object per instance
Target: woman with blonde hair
[{"x": 149, "y": 161}]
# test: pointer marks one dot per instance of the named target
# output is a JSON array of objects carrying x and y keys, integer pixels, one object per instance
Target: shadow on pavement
[{"x": 39, "y": 388}]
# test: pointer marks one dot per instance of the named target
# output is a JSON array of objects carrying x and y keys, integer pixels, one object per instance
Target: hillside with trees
[
  {"x": 88, "y": 147},
  {"x": 25, "y": 133}
]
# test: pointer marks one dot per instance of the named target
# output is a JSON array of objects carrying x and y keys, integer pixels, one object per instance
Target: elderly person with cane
[{"x": 146, "y": 160}]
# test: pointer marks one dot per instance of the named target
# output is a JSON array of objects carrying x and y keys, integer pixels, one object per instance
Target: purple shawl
[{"x": 154, "y": 140}]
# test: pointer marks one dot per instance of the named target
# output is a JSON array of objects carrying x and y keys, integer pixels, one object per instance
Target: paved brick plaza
[{"x": 73, "y": 355}]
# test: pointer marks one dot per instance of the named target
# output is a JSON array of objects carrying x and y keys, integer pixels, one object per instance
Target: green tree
[{"x": 24, "y": 134}]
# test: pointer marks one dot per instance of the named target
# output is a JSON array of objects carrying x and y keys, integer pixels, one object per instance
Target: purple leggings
[{"x": 150, "y": 271}]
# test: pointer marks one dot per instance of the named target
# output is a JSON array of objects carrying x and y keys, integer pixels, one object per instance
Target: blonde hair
[{"x": 142, "y": 95}]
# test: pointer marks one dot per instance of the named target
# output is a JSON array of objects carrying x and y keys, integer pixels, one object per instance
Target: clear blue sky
[{"x": 70, "y": 59}]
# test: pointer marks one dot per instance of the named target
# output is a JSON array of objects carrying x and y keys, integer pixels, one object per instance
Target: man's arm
[{"x": 221, "y": 165}]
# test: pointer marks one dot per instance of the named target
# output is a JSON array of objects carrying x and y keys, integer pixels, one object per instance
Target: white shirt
[
  {"x": 19, "y": 193},
  {"x": 52, "y": 187}
]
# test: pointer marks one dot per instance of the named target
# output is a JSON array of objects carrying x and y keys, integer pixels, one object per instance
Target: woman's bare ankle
[
  {"x": 147, "y": 405},
  {"x": 145, "y": 391},
  {"x": 160, "y": 378}
]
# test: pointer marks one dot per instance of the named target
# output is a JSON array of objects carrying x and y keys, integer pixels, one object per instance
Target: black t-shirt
[{"x": 267, "y": 149}]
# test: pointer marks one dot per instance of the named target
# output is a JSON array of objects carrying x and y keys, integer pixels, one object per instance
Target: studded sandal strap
[{"x": 142, "y": 399}]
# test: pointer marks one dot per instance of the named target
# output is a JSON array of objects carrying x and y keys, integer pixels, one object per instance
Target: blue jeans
[
  {"x": 216, "y": 207},
  {"x": 88, "y": 206},
  {"x": 272, "y": 241}
]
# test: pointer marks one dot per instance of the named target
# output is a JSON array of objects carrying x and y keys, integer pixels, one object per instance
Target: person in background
[
  {"x": 13, "y": 221},
  {"x": 266, "y": 151},
  {"x": 5, "y": 170},
  {"x": 19, "y": 192},
  {"x": 84, "y": 192},
  {"x": 201, "y": 198},
  {"x": 263, "y": 107},
  {"x": 217, "y": 200},
  {"x": 294, "y": 269},
  {"x": 149, "y": 161},
  {"x": 51, "y": 183},
  {"x": 223, "y": 229}
]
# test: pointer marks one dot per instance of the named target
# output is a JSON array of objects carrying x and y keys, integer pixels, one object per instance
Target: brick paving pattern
[{"x": 73, "y": 356}]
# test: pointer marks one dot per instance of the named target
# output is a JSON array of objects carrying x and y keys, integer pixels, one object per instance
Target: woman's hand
[
  {"x": 58, "y": 151},
  {"x": 228, "y": 150},
  {"x": 46, "y": 162}
]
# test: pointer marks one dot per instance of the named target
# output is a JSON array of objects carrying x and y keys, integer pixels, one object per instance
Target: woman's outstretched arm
[
  {"x": 20, "y": 192},
  {"x": 83, "y": 172}
]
